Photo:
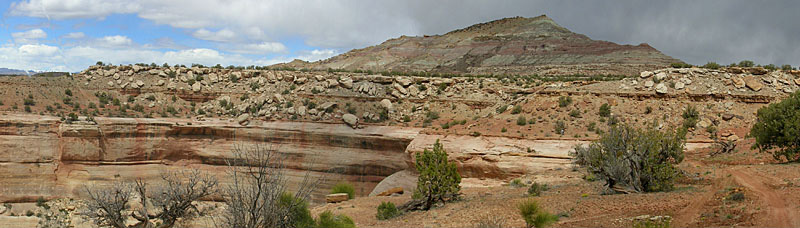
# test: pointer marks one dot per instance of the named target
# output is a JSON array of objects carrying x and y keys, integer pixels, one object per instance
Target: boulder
[
  {"x": 336, "y": 197},
  {"x": 346, "y": 82},
  {"x": 404, "y": 81},
  {"x": 797, "y": 81},
  {"x": 301, "y": 110},
  {"x": 300, "y": 80},
  {"x": 243, "y": 119},
  {"x": 646, "y": 74},
  {"x": 661, "y": 88},
  {"x": 387, "y": 104},
  {"x": 160, "y": 82},
  {"x": 327, "y": 105},
  {"x": 738, "y": 82},
  {"x": 727, "y": 116},
  {"x": 350, "y": 119},
  {"x": 679, "y": 85},
  {"x": 649, "y": 83},
  {"x": 735, "y": 70},
  {"x": 391, "y": 191},
  {"x": 139, "y": 83},
  {"x": 758, "y": 71},
  {"x": 753, "y": 83},
  {"x": 661, "y": 77},
  {"x": 196, "y": 87},
  {"x": 110, "y": 83},
  {"x": 704, "y": 123},
  {"x": 136, "y": 68}
]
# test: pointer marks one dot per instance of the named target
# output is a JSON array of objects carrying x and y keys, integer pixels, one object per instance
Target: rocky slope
[{"x": 512, "y": 45}]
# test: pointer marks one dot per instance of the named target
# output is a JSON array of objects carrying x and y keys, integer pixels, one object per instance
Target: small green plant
[
  {"x": 344, "y": 188},
  {"x": 711, "y": 65},
  {"x": 504, "y": 130},
  {"x": 535, "y": 216},
  {"x": 575, "y": 113},
  {"x": 521, "y": 121},
  {"x": 690, "y": 116},
  {"x": 564, "y": 101},
  {"x": 560, "y": 127},
  {"x": 68, "y": 92},
  {"x": 387, "y": 210},
  {"x": 536, "y": 189},
  {"x": 647, "y": 223},
  {"x": 438, "y": 179},
  {"x": 328, "y": 220},
  {"x": 501, "y": 109},
  {"x": 605, "y": 110},
  {"x": 516, "y": 110},
  {"x": 746, "y": 63},
  {"x": 516, "y": 183}
]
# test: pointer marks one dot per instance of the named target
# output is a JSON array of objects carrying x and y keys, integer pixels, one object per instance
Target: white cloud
[
  {"x": 37, "y": 50},
  {"x": 261, "y": 48},
  {"x": 29, "y": 36},
  {"x": 115, "y": 41},
  {"x": 223, "y": 35},
  {"x": 315, "y": 55},
  {"x": 67, "y": 9},
  {"x": 74, "y": 35}
]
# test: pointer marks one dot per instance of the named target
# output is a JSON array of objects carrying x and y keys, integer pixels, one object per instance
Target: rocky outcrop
[{"x": 44, "y": 157}]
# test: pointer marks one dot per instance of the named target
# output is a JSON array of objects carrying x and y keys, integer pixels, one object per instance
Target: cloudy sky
[{"x": 69, "y": 35}]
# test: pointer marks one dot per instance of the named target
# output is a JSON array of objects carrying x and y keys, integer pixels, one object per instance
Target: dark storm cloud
[{"x": 693, "y": 31}]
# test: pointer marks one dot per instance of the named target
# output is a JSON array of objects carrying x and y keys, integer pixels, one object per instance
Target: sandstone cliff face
[
  {"x": 511, "y": 45},
  {"x": 41, "y": 156}
]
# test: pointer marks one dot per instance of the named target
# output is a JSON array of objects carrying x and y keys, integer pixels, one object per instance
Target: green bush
[
  {"x": 535, "y": 216},
  {"x": 536, "y": 189},
  {"x": 564, "y": 101},
  {"x": 605, "y": 110},
  {"x": 328, "y": 220},
  {"x": 711, "y": 65},
  {"x": 664, "y": 223},
  {"x": 786, "y": 67},
  {"x": 575, "y": 113},
  {"x": 560, "y": 127},
  {"x": 690, "y": 116},
  {"x": 516, "y": 183},
  {"x": 344, "y": 188},
  {"x": 777, "y": 128},
  {"x": 501, "y": 109},
  {"x": 521, "y": 121},
  {"x": 680, "y": 65},
  {"x": 746, "y": 63},
  {"x": 298, "y": 211},
  {"x": 387, "y": 210},
  {"x": 634, "y": 160},
  {"x": 771, "y": 67},
  {"x": 517, "y": 109},
  {"x": 438, "y": 179}
]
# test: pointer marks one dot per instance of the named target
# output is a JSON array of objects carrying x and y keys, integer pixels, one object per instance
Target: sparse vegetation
[
  {"x": 536, "y": 189},
  {"x": 516, "y": 110},
  {"x": 564, "y": 101},
  {"x": 344, "y": 188},
  {"x": 521, "y": 121},
  {"x": 605, "y": 110},
  {"x": 535, "y": 216},
  {"x": 712, "y": 65},
  {"x": 634, "y": 160},
  {"x": 387, "y": 210},
  {"x": 690, "y": 116}
]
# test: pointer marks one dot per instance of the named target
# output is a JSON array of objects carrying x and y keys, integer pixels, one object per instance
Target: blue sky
[{"x": 69, "y": 35}]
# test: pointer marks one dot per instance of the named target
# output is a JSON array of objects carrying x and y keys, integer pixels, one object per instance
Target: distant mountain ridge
[
  {"x": 8, "y": 71},
  {"x": 514, "y": 45}
]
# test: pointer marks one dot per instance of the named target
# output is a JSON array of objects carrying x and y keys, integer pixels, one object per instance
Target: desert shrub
[
  {"x": 328, "y": 220},
  {"x": 575, "y": 113},
  {"x": 786, "y": 67},
  {"x": 438, "y": 179},
  {"x": 690, "y": 116},
  {"x": 298, "y": 210},
  {"x": 501, "y": 109},
  {"x": 521, "y": 121},
  {"x": 387, "y": 210},
  {"x": 560, "y": 127},
  {"x": 680, "y": 65},
  {"x": 746, "y": 63},
  {"x": 516, "y": 110},
  {"x": 491, "y": 222},
  {"x": 344, "y": 188},
  {"x": 647, "y": 223},
  {"x": 648, "y": 110},
  {"x": 591, "y": 126},
  {"x": 536, "y": 189},
  {"x": 711, "y": 65},
  {"x": 27, "y": 108},
  {"x": 29, "y": 101},
  {"x": 605, "y": 110},
  {"x": 516, "y": 183},
  {"x": 68, "y": 92},
  {"x": 634, "y": 160},
  {"x": 777, "y": 128},
  {"x": 770, "y": 67},
  {"x": 564, "y": 101},
  {"x": 534, "y": 215}
]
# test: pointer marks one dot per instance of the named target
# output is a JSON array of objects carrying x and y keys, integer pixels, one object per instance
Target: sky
[{"x": 70, "y": 35}]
